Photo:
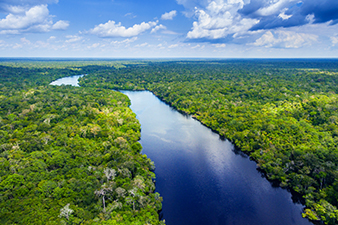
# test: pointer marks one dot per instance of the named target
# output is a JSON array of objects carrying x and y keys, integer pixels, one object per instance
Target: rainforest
[{"x": 71, "y": 155}]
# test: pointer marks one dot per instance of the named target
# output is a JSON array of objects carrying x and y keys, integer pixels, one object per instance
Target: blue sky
[{"x": 169, "y": 28}]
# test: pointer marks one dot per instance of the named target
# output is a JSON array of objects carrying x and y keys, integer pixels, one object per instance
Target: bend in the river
[{"x": 201, "y": 178}]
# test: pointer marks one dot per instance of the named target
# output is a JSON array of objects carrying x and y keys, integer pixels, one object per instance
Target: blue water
[
  {"x": 202, "y": 179},
  {"x": 200, "y": 176}
]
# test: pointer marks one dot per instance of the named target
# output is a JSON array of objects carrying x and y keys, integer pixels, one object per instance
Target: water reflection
[
  {"x": 73, "y": 80},
  {"x": 199, "y": 175}
]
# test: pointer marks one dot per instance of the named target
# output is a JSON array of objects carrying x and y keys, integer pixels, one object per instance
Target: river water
[
  {"x": 203, "y": 179},
  {"x": 73, "y": 80}
]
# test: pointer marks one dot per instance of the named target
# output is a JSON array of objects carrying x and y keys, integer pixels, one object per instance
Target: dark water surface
[{"x": 201, "y": 178}]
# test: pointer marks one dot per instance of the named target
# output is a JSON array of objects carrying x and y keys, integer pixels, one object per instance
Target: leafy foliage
[
  {"x": 283, "y": 113},
  {"x": 64, "y": 149}
]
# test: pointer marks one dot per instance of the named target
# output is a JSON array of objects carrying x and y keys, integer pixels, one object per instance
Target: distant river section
[
  {"x": 73, "y": 80},
  {"x": 203, "y": 179}
]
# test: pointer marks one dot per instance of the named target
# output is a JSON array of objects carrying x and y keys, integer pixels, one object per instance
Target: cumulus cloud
[
  {"x": 34, "y": 19},
  {"x": 274, "y": 7},
  {"x": 219, "y": 45},
  {"x": 284, "y": 16},
  {"x": 73, "y": 38},
  {"x": 51, "y": 38},
  {"x": 228, "y": 20},
  {"x": 60, "y": 25},
  {"x": 158, "y": 27},
  {"x": 112, "y": 29},
  {"x": 17, "y": 6},
  {"x": 285, "y": 39},
  {"x": 289, "y": 13},
  {"x": 220, "y": 19},
  {"x": 35, "y": 15},
  {"x": 169, "y": 15}
]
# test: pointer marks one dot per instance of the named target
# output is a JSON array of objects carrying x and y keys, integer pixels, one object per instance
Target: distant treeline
[
  {"x": 70, "y": 155},
  {"x": 283, "y": 113}
]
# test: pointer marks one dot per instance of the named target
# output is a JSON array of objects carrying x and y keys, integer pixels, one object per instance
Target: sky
[{"x": 169, "y": 28}]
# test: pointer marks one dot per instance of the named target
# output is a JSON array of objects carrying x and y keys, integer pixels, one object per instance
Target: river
[
  {"x": 203, "y": 179},
  {"x": 73, "y": 80}
]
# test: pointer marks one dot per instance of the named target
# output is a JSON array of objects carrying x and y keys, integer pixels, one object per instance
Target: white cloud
[
  {"x": 95, "y": 45},
  {"x": 285, "y": 39},
  {"x": 158, "y": 27},
  {"x": 334, "y": 40},
  {"x": 25, "y": 41},
  {"x": 73, "y": 38},
  {"x": 310, "y": 18},
  {"x": 198, "y": 46},
  {"x": 142, "y": 45},
  {"x": 220, "y": 19},
  {"x": 111, "y": 29},
  {"x": 9, "y": 32},
  {"x": 20, "y": 6},
  {"x": 35, "y": 15},
  {"x": 219, "y": 45},
  {"x": 283, "y": 15},
  {"x": 125, "y": 41},
  {"x": 266, "y": 40},
  {"x": 274, "y": 8},
  {"x": 160, "y": 46},
  {"x": 51, "y": 38},
  {"x": 173, "y": 46},
  {"x": 15, "y": 9},
  {"x": 60, "y": 25},
  {"x": 130, "y": 15},
  {"x": 169, "y": 15},
  {"x": 34, "y": 19}
]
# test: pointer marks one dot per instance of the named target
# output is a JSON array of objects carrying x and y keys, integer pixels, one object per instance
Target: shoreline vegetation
[
  {"x": 70, "y": 155},
  {"x": 282, "y": 113}
]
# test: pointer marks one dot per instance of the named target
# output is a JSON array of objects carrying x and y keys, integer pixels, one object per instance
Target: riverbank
[{"x": 196, "y": 170}]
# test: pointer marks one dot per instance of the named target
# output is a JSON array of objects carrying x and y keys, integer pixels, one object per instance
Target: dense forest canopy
[
  {"x": 70, "y": 155},
  {"x": 83, "y": 141},
  {"x": 283, "y": 113}
]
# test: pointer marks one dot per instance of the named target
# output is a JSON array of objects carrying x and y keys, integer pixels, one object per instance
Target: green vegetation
[
  {"x": 70, "y": 155},
  {"x": 283, "y": 113}
]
